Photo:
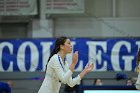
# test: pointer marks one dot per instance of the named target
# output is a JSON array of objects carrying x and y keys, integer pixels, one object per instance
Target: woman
[
  {"x": 5, "y": 87},
  {"x": 138, "y": 82},
  {"x": 138, "y": 70},
  {"x": 57, "y": 69},
  {"x": 98, "y": 82}
]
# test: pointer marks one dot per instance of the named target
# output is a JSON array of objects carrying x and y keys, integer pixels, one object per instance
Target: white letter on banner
[
  {"x": 45, "y": 53},
  {"x": 21, "y": 56},
  {"x": 10, "y": 46},
  {"x": 128, "y": 62},
  {"x": 115, "y": 55},
  {"x": 138, "y": 43},
  {"x": 93, "y": 56}
]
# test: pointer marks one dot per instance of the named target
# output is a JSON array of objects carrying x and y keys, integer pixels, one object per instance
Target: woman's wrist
[
  {"x": 72, "y": 66},
  {"x": 82, "y": 74},
  {"x": 84, "y": 71}
]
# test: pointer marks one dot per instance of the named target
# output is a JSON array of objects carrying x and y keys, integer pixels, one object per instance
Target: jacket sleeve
[
  {"x": 72, "y": 81},
  {"x": 63, "y": 76}
]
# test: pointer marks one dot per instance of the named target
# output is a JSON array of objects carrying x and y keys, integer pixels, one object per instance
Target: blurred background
[{"x": 105, "y": 32}]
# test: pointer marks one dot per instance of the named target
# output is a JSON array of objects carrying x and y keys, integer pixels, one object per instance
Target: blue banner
[{"x": 117, "y": 54}]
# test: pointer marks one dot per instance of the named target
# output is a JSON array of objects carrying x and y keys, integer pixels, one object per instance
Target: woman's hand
[
  {"x": 75, "y": 58},
  {"x": 89, "y": 68},
  {"x": 74, "y": 61}
]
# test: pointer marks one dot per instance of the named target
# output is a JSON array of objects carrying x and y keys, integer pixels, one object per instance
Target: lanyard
[{"x": 60, "y": 61}]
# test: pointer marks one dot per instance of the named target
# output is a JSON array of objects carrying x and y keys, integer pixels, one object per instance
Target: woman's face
[
  {"x": 67, "y": 47},
  {"x": 98, "y": 82}
]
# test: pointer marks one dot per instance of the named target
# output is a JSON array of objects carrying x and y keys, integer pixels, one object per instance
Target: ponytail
[{"x": 55, "y": 51}]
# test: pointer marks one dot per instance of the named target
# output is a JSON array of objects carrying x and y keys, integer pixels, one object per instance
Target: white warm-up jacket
[{"x": 57, "y": 72}]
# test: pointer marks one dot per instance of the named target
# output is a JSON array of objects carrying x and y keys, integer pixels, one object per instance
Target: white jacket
[{"x": 56, "y": 74}]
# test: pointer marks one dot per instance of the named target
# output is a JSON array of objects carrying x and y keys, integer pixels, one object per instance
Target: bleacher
[
  {"x": 29, "y": 82},
  {"x": 109, "y": 77}
]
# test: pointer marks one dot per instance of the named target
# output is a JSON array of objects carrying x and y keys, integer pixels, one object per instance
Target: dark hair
[{"x": 59, "y": 41}]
